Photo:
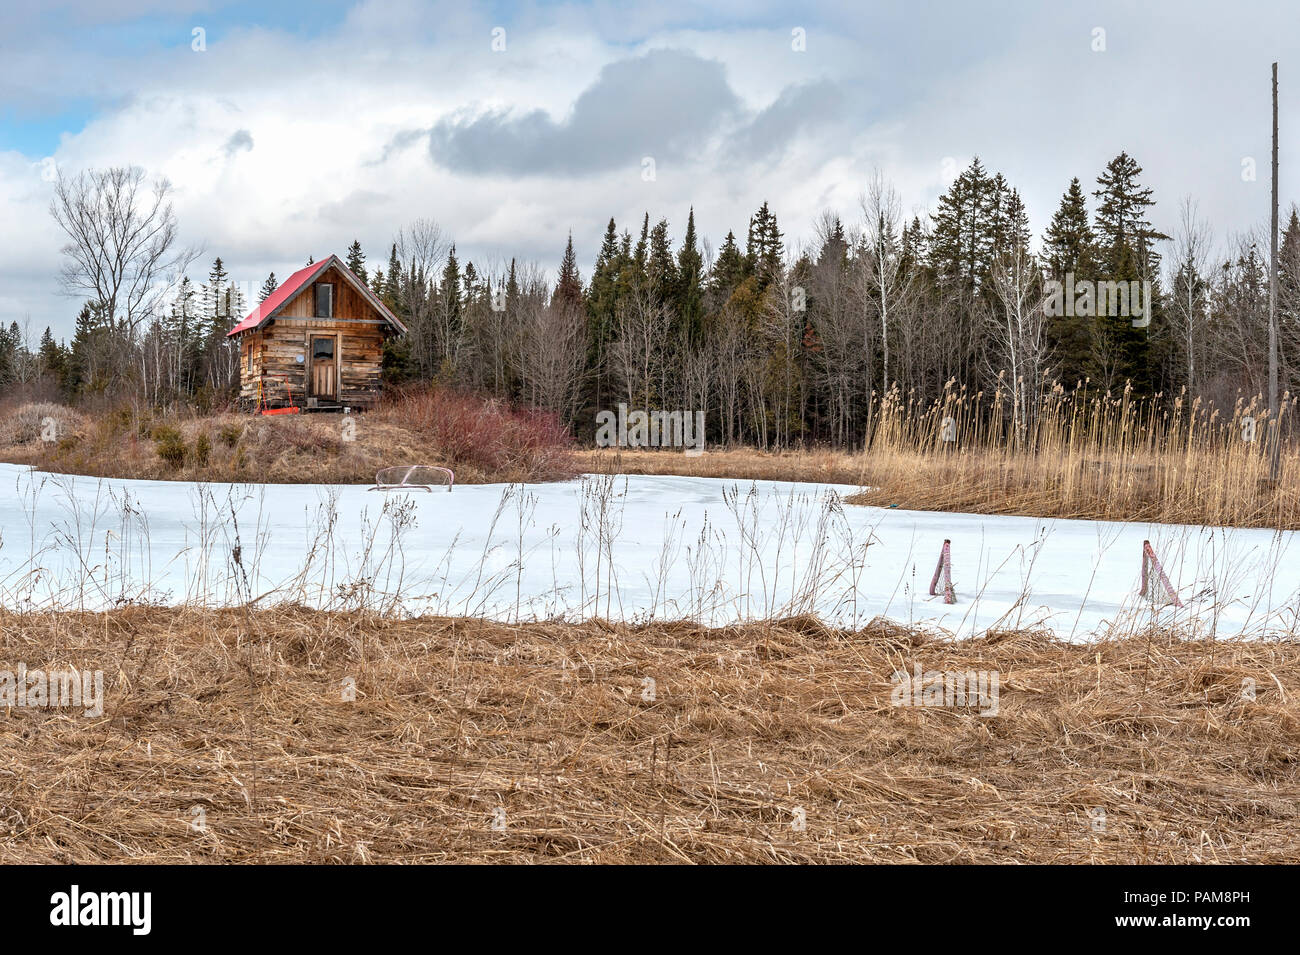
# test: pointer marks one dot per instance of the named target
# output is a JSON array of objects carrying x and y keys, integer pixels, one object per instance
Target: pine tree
[
  {"x": 568, "y": 289},
  {"x": 215, "y": 293},
  {"x": 911, "y": 247},
  {"x": 1121, "y": 217},
  {"x": 603, "y": 292},
  {"x": 85, "y": 365},
  {"x": 640, "y": 276},
  {"x": 1288, "y": 289},
  {"x": 51, "y": 356},
  {"x": 962, "y": 240},
  {"x": 9, "y": 342},
  {"x": 186, "y": 337},
  {"x": 449, "y": 292},
  {"x": 729, "y": 269},
  {"x": 391, "y": 288},
  {"x": 356, "y": 261},
  {"x": 1126, "y": 241},
  {"x": 690, "y": 278},
  {"x": 1068, "y": 244},
  {"x": 269, "y": 286},
  {"x": 1070, "y": 250},
  {"x": 1015, "y": 229},
  {"x": 512, "y": 291},
  {"x": 764, "y": 250},
  {"x": 660, "y": 266},
  {"x": 236, "y": 307},
  {"x": 608, "y": 280}
]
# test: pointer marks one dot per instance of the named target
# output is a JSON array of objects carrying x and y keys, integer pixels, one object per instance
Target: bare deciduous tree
[{"x": 121, "y": 251}]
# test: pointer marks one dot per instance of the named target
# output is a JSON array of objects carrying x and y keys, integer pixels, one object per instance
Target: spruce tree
[
  {"x": 215, "y": 293},
  {"x": 1126, "y": 241},
  {"x": 961, "y": 241},
  {"x": 1068, "y": 243},
  {"x": 764, "y": 249},
  {"x": 269, "y": 286},
  {"x": 568, "y": 289},
  {"x": 450, "y": 299},
  {"x": 392, "y": 287},
  {"x": 690, "y": 277},
  {"x": 1122, "y": 217},
  {"x": 1070, "y": 250},
  {"x": 603, "y": 295},
  {"x": 356, "y": 261},
  {"x": 640, "y": 276},
  {"x": 661, "y": 266},
  {"x": 729, "y": 269}
]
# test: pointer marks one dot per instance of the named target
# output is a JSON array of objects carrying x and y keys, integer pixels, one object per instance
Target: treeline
[{"x": 781, "y": 345}]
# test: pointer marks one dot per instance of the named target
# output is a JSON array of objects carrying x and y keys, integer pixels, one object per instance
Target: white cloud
[{"x": 282, "y": 146}]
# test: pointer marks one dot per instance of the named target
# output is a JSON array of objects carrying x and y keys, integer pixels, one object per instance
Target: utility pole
[{"x": 1273, "y": 411}]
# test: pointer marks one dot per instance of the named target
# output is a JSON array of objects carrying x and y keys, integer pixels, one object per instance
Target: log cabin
[{"x": 315, "y": 343}]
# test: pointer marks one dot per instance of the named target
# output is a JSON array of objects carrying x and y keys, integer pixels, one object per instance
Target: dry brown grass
[
  {"x": 280, "y": 449},
  {"x": 1091, "y": 458},
  {"x": 242, "y": 714},
  {"x": 1101, "y": 457}
]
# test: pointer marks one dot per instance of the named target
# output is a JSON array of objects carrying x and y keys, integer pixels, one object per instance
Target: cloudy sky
[{"x": 289, "y": 129}]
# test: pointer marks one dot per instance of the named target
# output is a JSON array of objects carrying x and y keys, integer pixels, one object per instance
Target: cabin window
[
  {"x": 249, "y": 346},
  {"x": 324, "y": 300},
  {"x": 322, "y": 348}
]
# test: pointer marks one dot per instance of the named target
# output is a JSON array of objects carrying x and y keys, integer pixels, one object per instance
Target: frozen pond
[{"x": 627, "y": 548}]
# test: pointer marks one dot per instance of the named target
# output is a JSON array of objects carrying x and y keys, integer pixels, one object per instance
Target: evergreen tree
[
  {"x": 391, "y": 288},
  {"x": 52, "y": 358},
  {"x": 640, "y": 276},
  {"x": 962, "y": 240},
  {"x": 185, "y": 336},
  {"x": 911, "y": 247},
  {"x": 86, "y": 362},
  {"x": 9, "y": 357},
  {"x": 1123, "y": 230},
  {"x": 1068, "y": 244},
  {"x": 449, "y": 292},
  {"x": 728, "y": 269},
  {"x": 661, "y": 266},
  {"x": 568, "y": 289},
  {"x": 764, "y": 250},
  {"x": 356, "y": 261},
  {"x": 215, "y": 301},
  {"x": 269, "y": 286},
  {"x": 1126, "y": 241},
  {"x": 1015, "y": 225},
  {"x": 690, "y": 278},
  {"x": 603, "y": 292},
  {"x": 512, "y": 291},
  {"x": 608, "y": 280},
  {"x": 1070, "y": 250}
]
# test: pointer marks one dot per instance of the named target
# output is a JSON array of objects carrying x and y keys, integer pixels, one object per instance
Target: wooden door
[{"x": 324, "y": 368}]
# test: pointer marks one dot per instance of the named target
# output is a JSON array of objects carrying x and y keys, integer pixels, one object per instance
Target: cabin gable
[{"x": 319, "y": 346}]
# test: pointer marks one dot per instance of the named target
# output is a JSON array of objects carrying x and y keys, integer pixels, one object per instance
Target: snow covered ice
[{"x": 629, "y": 548}]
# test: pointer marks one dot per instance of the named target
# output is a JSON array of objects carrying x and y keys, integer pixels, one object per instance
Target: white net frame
[{"x": 412, "y": 477}]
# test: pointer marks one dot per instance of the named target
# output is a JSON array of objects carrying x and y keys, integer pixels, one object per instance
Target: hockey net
[
  {"x": 942, "y": 580},
  {"x": 413, "y": 477},
  {"x": 1155, "y": 583}
]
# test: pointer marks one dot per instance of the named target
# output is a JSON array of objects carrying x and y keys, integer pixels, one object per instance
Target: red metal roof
[{"x": 296, "y": 283}]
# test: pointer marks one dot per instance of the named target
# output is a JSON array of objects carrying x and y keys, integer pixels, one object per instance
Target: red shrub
[{"x": 503, "y": 443}]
